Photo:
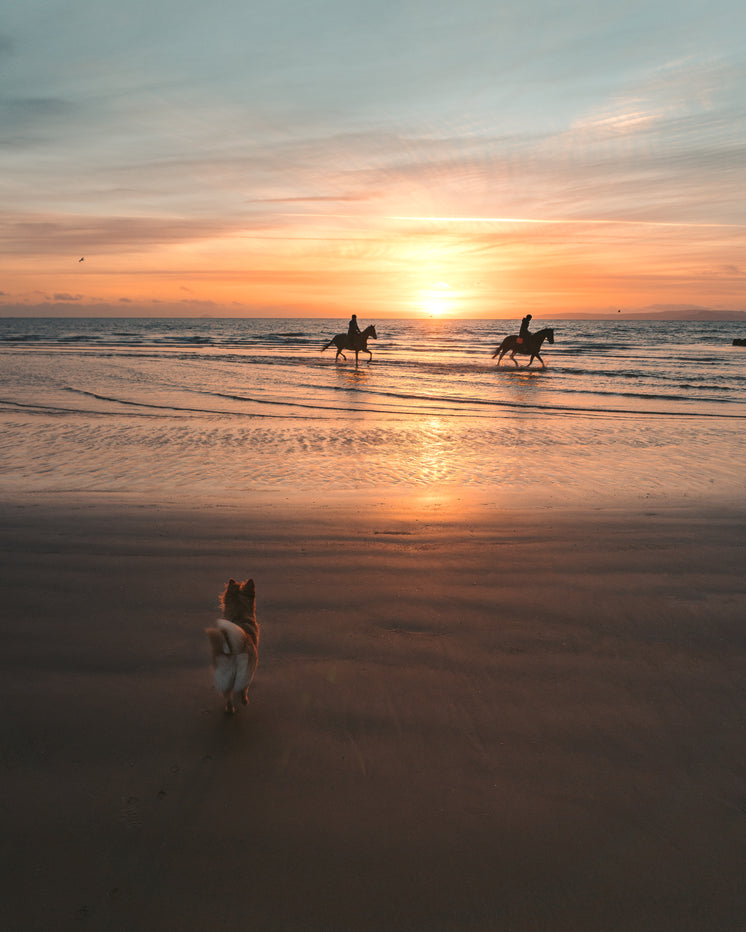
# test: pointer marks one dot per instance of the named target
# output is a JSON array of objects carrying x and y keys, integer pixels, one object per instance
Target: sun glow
[{"x": 437, "y": 300}]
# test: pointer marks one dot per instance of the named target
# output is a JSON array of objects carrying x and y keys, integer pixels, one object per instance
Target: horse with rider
[
  {"x": 355, "y": 339},
  {"x": 525, "y": 343}
]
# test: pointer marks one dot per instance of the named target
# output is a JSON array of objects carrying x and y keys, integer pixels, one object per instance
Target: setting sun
[{"x": 437, "y": 300}]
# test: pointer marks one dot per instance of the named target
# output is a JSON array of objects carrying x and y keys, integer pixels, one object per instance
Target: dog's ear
[{"x": 248, "y": 587}]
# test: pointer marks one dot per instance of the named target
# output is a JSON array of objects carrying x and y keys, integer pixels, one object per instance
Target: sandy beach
[{"x": 464, "y": 717}]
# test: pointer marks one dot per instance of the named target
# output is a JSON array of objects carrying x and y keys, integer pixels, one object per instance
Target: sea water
[{"x": 624, "y": 410}]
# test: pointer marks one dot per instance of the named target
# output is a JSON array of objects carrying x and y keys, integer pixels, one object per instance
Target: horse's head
[
  {"x": 370, "y": 331},
  {"x": 550, "y": 334}
]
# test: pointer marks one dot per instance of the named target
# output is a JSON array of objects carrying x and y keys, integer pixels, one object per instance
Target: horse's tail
[{"x": 327, "y": 345}]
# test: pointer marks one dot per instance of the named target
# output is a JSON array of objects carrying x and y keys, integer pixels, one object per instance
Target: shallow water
[{"x": 623, "y": 411}]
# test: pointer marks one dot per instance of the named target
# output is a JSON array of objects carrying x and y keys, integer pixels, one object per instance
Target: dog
[{"x": 234, "y": 642}]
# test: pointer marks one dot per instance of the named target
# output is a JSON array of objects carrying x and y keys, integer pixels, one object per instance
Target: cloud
[
  {"x": 624, "y": 121},
  {"x": 320, "y": 198},
  {"x": 59, "y": 234},
  {"x": 27, "y": 120},
  {"x": 68, "y": 297}
]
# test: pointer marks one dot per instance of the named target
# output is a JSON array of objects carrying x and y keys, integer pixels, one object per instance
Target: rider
[
  {"x": 524, "y": 331},
  {"x": 352, "y": 329}
]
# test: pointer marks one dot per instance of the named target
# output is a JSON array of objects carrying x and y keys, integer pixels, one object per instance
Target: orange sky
[
  {"x": 473, "y": 161},
  {"x": 401, "y": 268}
]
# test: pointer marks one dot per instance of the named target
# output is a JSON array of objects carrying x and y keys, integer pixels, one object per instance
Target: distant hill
[{"x": 661, "y": 312}]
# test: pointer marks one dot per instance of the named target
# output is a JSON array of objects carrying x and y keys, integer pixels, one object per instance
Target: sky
[{"x": 393, "y": 158}]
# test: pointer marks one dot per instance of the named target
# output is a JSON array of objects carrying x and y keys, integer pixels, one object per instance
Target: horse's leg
[
  {"x": 515, "y": 361},
  {"x": 543, "y": 364},
  {"x": 340, "y": 353}
]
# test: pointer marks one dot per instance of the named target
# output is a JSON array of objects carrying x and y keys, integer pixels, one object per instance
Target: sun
[{"x": 436, "y": 300}]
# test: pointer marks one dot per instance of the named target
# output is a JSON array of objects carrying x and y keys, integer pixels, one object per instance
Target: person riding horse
[
  {"x": 525, "y": 343},
  {"x": 524, "y": 331},
  {"x": 358, "y": 342},
  {"x": 353, "y": 330}
]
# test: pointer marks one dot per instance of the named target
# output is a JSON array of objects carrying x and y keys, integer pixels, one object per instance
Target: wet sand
[{"x": 464, "y": 717}]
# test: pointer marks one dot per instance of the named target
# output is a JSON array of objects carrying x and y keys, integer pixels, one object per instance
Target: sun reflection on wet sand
[
  {"x": 430, "y": 457},
  {"x": 525, "y": 455}
]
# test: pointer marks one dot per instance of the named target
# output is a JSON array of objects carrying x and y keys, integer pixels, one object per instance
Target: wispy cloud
[{"x": 62, "y": 234}]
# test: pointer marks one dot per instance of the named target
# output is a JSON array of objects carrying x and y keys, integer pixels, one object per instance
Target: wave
[
  {"x": 440, "y": 368},
  {"x": 49, "y": 408},
  {"x": 21, "y": 338},
  {"x": 405, "y": 404},
  {"x": 139, "y": 404},
  {"x": 454, "y": 405}
]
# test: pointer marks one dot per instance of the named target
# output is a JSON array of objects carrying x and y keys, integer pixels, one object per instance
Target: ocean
[{"x": 625, "y": 411}]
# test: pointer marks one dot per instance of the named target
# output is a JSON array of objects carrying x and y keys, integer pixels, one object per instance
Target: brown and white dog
[{"x": 234, "y": 642}]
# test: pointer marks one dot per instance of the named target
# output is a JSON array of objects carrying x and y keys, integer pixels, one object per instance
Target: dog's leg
[
  {"x": 228, "y": 696},
  {"x": 245, "y": 696}
]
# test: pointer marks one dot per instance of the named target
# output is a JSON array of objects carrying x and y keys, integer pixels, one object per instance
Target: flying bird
[{"x": 82, "y": 259}]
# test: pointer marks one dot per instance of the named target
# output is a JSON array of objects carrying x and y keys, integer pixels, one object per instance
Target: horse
[
  {"x": 360, "y": 343},
  {"x": 530, "y": 346}
]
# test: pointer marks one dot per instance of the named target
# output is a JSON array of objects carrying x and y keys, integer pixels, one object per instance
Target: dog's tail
[
  {"x": 226, "y": 639},
  {"x": 217, "y": 641}
]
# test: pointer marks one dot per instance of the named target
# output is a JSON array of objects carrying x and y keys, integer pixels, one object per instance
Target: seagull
[{"x": 82, "y": 259}]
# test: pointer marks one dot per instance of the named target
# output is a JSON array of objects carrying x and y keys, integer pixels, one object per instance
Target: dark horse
[
  {"x": 529, "y": 347},
  {"x": 359, "y": 343}
]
